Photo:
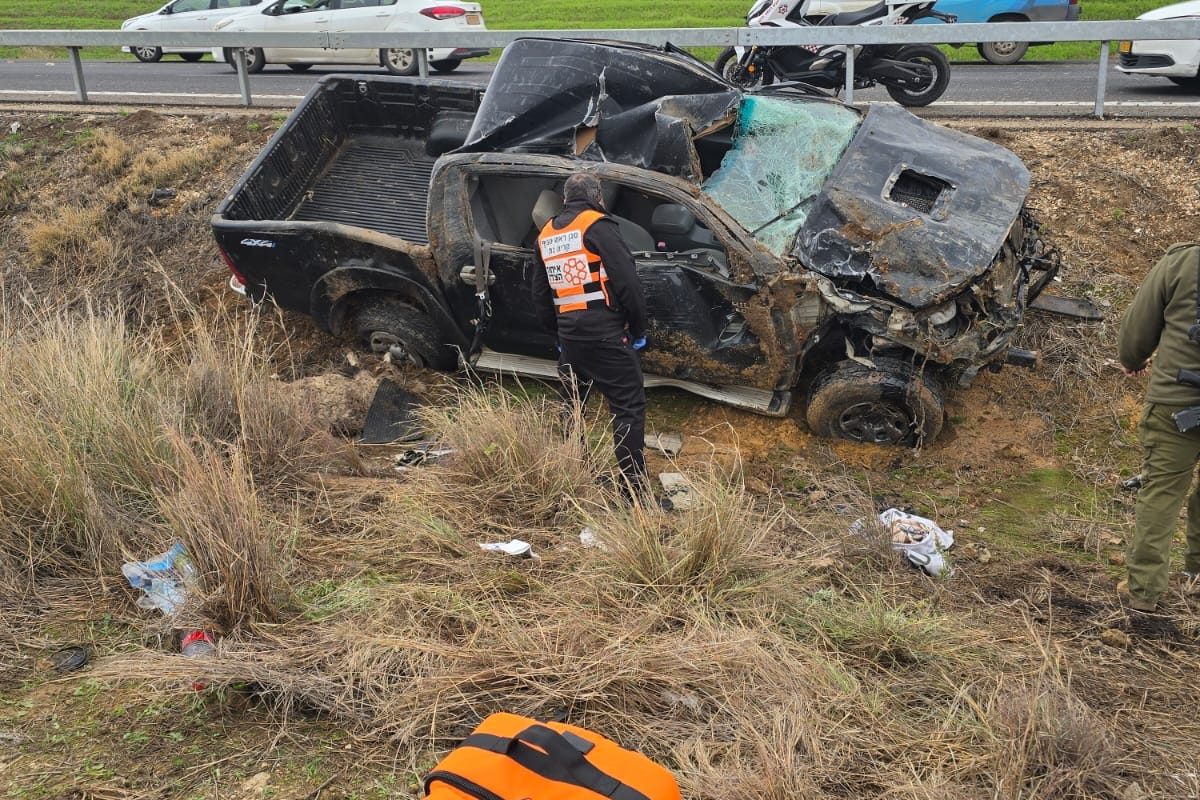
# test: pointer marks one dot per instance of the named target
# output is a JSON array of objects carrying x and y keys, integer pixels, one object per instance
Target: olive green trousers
[{"x": 1167, "y": 473}]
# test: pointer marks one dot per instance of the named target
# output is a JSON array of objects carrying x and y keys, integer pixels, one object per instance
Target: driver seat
[{"x": 550, "y": 203}]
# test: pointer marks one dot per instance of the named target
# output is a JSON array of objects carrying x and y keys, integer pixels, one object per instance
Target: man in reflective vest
[{"x": 586, "y": 290}]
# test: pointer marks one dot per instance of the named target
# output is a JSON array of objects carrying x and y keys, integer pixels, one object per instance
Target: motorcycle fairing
[
  {"x": 627, "y": 104},
  {"x": 913, "y": 210}
]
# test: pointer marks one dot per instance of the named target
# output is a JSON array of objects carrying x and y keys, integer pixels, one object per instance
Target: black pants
[{"x": 613, "y": 369}]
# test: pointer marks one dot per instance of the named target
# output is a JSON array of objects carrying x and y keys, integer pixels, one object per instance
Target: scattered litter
[
  {"x": 161, "y": 579},
  {"x": 198, "y": 644},
  {"x": 159, "y": 196},
  {"x": 390, "y": 417},
  {"x": 1132, "y": 484},
  {"x": 669, "y": 444},
  {"x": 919, "y": 540},
  {"x": 421, "y": 454},
  {"x": 588, "y": 538},
  {"x": 14, "y": 127},
  {"x": 678, "y": 490},
  {"x": 69, "y": 659},
  {"x": 513, "y": 547}
]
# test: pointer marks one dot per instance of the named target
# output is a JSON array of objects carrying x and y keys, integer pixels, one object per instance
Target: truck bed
[
  {"x": 376, "y": 182},
  {"x": 357, "y": 151}
]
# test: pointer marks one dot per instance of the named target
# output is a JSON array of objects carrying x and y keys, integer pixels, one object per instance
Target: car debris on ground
[
  {"x": 678, "y": 490},
  {"x": 392, "y": 416},
  {"x": 669, "y": 444}
]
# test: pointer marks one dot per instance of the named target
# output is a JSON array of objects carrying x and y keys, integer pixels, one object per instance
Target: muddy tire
[
  {"x": 408, "y": 333},
  {"x": 929, "y": 56},
  {"x": 728, "y": 67},
  {"x": 889, "y": 405}
]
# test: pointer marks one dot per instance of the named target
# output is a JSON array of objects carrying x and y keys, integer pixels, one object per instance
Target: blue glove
[
  {"x": 639, "y": 343},
  {"x": 558, "y": 347}
]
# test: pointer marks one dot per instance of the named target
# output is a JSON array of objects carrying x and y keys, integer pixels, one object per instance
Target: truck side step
[{"x": 774, "y": 404}]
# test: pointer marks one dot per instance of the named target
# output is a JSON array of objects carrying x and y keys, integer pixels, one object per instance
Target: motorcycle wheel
[
  {"x": 923, "y": 95},
  {"x": 728, "y": 67}
]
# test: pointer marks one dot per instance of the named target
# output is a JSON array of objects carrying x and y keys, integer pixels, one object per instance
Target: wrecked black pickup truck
[{"x": 788, "y": 245}]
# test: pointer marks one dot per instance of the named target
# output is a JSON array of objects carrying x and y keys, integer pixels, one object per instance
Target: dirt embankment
[{"x": 1018, "y": 677}]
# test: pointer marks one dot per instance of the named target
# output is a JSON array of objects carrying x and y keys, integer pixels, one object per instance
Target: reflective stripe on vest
[{"x": 576, "y": 274}]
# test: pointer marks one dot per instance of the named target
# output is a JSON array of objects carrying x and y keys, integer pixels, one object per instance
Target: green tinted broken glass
[{"x": 782, "y": 154}]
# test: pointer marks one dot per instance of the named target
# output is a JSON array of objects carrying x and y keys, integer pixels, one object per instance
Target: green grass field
[{"x": 520, "y": 14}]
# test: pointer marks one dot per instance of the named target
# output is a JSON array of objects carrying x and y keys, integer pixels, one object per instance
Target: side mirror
[{"x": 166, "y": 9}]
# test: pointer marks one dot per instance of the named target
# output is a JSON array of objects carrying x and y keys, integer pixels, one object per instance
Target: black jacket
[{"x": 627, "y": 317}]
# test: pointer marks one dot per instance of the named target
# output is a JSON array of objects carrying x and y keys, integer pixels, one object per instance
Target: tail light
[
  {"x": 443, "y": 12},
  {"x": 229, "y": 263}
]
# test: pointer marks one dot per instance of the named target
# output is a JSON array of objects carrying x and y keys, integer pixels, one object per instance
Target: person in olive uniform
[{"x": 1156, "y": 325}]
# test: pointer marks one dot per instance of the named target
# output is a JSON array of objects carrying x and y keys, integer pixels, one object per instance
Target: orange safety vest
[{"x": 576, "y": 274}]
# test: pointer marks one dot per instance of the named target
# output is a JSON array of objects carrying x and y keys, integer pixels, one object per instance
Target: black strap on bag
[{"x": 557, "y": 757}]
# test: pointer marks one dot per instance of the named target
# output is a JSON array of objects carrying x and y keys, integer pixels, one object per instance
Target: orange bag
[{"x": 517, "y": 758}]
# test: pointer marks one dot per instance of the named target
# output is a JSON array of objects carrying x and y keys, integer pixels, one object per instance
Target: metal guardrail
[{"x": 1090, "y": 31}]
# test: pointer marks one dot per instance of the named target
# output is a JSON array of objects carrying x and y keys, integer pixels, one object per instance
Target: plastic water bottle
[{"x": 198, "y": 644}]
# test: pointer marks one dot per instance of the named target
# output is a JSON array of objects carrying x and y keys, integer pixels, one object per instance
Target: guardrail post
[
  {"x": 422, "y": 55},
  {"x": 1102, "y": 80},
  {"x": 849, "y": 74},
  {"x": 77, "y": 69},
  {"x": 239, "y": 64}
]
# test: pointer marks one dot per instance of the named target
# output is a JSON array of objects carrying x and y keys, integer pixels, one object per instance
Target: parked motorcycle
[{"x": 914, "y": 75}]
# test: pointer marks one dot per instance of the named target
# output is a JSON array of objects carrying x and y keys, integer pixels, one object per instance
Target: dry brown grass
[
  {"x": 73, "y": 238},
  {"x": 108, "y": 153}
]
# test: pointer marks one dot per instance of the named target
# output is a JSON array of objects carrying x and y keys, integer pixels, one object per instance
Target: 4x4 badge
[{"x": 258, "y": 243}]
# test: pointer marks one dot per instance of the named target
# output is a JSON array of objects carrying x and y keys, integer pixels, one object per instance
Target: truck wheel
[
  {"x": 299, "y": 67},
  {"x": 255, "y": 60},
  {"x": 192, "y": 57},
  {"x": 409, "y": 334},
  {"x": 147, "y": 54},
  {"x": 889, "y": 405},
  {"x": 400, "y": 60},
  {"x": 446, "y": 64}
]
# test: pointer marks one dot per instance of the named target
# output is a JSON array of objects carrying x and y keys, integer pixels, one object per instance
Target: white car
[
  {"x": 341, "y": 16},
  {"x": 1177, "y": 60},
  {"x": 182, "y": 15}
]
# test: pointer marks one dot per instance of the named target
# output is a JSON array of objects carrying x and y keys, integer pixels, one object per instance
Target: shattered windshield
[{"x": 782, "y": 154}]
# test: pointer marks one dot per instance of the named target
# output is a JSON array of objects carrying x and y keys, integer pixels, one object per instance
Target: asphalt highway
[{"x": 1024, "y": 89}]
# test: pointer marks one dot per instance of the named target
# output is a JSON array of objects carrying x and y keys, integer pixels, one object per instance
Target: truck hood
[
  {"x": 912, "y": 211},
  {"x": 618, "y": 102}
]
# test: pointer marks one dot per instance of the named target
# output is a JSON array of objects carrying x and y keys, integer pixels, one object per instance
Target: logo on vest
[{"x": 575, "y": 271}]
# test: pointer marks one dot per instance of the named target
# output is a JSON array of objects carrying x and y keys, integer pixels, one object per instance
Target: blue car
[{"x": 978, "y": 11}]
